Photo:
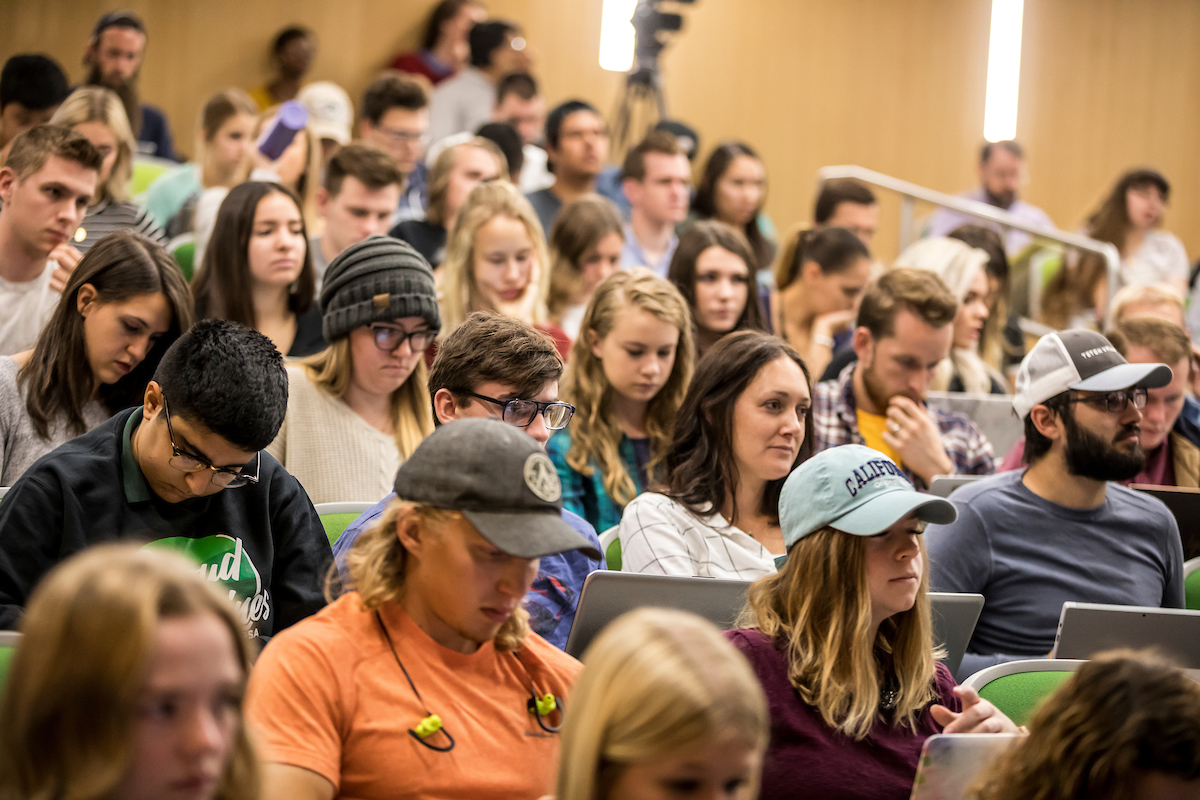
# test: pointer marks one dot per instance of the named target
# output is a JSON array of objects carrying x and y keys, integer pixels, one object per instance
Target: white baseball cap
[
  {"x": 330, "y": 111},
  {"x": 1079, "y": 359}
]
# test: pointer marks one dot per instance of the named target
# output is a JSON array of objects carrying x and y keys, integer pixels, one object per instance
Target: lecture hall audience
[
  {"x": 97, "y": 113},
  {"x": 124, "y": 305},
  {"x": 496, "y": 366},
  {"x": 425, "y": 679},
  {"x": 904, "y": 331},
  {"x": 628, "y": 372},
  {"x": 361, "y": 406},
  {"x": 46, "y": 185},
  {"x": 1062, "y": 529},
  {"x": 423, "y": 649},
  {"x": 585, "y": 248},
  {"x": 745, "y": 424},
  {"x": 713, "y": 268}
]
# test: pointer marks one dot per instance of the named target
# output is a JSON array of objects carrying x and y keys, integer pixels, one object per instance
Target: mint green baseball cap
[{"x": 856, "y": 490}]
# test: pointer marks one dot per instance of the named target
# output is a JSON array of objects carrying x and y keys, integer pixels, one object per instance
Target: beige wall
[{"x": 894, "y": 85}]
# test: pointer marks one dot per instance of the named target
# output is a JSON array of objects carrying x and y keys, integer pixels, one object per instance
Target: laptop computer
[
  {"x": 1184, "y": 505},
  {"x": 951, "y": 762},
  {"x": 1085, "y": 629},
  {"x": 943, "y": 485},
  {"x": 607, "y": 595}
]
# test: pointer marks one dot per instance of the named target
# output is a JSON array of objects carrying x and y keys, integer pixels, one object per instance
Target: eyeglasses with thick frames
[
  {"x": 1115, "y": 402},
  {"x": 221, "y": 476},
  {"x": 522, "y": 413},
  {"x": 388, "y": 338}
]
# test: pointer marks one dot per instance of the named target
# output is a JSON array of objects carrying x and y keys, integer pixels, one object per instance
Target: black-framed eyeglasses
[
  {"x": 221, "y": 476},
  {"x": 388, "y": 338},
  {"x": 1115, "y": 402},
  {"x": 522, "y": 413}
]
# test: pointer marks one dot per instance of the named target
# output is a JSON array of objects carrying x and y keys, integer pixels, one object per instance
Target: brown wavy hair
[
  {"x": 89, "y": 632},
  {"x": 700, "y": 464},
  {"x": 818, "y": 607},
  {"x": 595, "y": 435},
  {"x": 1121, "y": 715},
  {"x": 378, "y": 561},
  {"x": 578, "y": 229},
  {"x": 57, "y": 380},
  {"x": 682, "y": 271}
]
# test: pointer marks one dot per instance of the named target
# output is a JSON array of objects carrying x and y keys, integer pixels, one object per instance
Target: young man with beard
[
  {"x": 905, "y": 328},
  {"x": 1060, "y": 531},
  {"x": 113, "y": 59}
]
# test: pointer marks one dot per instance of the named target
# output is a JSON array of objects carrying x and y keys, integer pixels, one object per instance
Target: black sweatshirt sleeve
[
  {"x": 302, "y": 554},
  {"x": 32, "y": 517}
]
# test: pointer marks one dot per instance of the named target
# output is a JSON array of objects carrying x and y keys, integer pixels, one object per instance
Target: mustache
[{"x": 1132, "y": 428}]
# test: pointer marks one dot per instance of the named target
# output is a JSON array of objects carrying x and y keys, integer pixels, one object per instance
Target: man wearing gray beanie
[{"x": 358, "y": 409}]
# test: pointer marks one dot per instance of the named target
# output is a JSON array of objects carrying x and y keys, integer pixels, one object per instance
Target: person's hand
[
  {"x": 913, "y": 434},
  {"x": 833, "y": 323},
  {"x": 977, "y": 716},
  {"x": 67, "y": 258}
]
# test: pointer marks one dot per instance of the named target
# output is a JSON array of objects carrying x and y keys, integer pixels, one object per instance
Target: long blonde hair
[
  {"x": 595, "y": 435},
  {"x": 459, "y": 294},
  {"x": 819, "y": 607},
  {"x": 89, "y": 632},
  {"x": 957, "y": 264},
  {"x": 378, "y": 561},
  {"x": 656, "y": 680},
  {"x": 410, "y": 412},
  {"x": 97, "y": 104}
]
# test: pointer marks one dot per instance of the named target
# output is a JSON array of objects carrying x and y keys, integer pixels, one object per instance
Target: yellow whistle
[
  {"x": 428, "y": 726},
  {"x": 546, "y": 704}
]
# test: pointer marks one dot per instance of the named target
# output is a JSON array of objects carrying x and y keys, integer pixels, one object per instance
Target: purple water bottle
[{"x": 290, "y": 120}]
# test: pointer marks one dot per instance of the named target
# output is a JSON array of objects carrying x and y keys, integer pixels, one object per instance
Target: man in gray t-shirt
[{"x": 1060, "y": 531}]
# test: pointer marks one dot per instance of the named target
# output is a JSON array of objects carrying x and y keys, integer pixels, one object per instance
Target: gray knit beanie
[{"x": 380, "y": 279}]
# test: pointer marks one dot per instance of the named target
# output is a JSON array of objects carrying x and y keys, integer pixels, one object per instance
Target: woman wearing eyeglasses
[{"x": 360, "y": 407}]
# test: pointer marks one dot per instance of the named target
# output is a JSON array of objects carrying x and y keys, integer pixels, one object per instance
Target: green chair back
[
  {"x": 7, "y": 650},
  {"x": 612, "y": 555},
  {"x": 185, "y": 257},
  {"x": 1191, "y": 590},
  {"x": 1020, "y": 695},
  {"x": 145, "y": 172},
  {"x": 335, "y": 523}
]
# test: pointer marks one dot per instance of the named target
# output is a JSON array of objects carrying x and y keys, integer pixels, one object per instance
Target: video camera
[{"x": 649, "y": 26}]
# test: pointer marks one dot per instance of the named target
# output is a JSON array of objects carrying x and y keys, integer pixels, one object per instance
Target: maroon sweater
[{"x": 806, "y": 758}]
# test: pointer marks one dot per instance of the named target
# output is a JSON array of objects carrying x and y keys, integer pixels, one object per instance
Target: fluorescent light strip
[
  {"x": 616, "y": 35},
  {"x": 1004, "y": 71}
]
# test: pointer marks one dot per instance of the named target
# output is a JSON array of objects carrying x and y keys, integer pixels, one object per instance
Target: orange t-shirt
[{"x": 328, "y": 696}]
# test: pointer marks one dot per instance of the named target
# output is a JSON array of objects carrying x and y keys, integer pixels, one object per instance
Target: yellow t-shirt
[{"x": 871, "y": 426}]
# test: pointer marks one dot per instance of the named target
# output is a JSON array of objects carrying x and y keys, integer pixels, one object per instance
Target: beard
[
  {"x": 1090, "y": 456},
  {"x": 1003, "y": 200},
  {"x": 125, "y": 90},
  {"x": 878, "y": 393}
]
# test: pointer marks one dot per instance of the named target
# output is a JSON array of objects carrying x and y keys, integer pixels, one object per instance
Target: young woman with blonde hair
[
  {"x": 628, "y": 373},
  {"x": 425, "y": 680},
  {"x": 496, "y": 260},
  {"x": 99, "y": 115},
  {"x": 127, "y": 683},
  {"x": 585, "y": 248},
  {"x": 222, "y": 150},
  {"x": 962, "y": 268},
  {"x": 360, "y": 407},
  {"x": 1126, "y": 724},
  {"x": 664, "y": 702},
  {"x": 841, "y": 636},
  {"x": 457, "y": 170}
]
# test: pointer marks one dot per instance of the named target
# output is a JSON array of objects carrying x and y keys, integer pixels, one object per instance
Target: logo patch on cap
[
  {"x": 381, "y": 301},
  {"x": 542, "y": 478}
]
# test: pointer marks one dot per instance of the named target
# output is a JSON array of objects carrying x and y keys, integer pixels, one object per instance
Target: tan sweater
[{"x": 332, "y": 451}]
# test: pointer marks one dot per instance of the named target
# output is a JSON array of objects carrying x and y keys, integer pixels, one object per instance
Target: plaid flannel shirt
[{"x": 835, "y": 422}]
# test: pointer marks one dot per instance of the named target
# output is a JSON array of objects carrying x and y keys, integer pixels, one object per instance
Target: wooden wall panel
[{"x": 894, "y": 86}]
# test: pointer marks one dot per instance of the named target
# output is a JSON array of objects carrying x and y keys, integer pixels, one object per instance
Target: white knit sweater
[{"x": 334, "y": 453}]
